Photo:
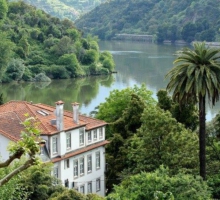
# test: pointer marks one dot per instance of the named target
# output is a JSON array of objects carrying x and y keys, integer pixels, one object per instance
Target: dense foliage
[
  {"x": 195, "y": 77},
  {"x": 166, "y": 20},
  {"x": 151, "y": 185},
  {"x": 70, "y": 9},
  {"x": 33, "y": 43},
  {"x": 36, "y": 183}
]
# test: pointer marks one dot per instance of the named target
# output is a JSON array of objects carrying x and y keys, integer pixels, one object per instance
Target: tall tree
[{"x": 196, "y": 74}]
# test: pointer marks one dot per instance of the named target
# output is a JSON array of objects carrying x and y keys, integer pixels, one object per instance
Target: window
[
  {"x": 98, "y": 184},
  {"x": 68, "y": 140},
  {"x": 89, "y": 163},
  {"x": 97, "y": 157},
  {"x": 54, "y": 145},
  {"x": 66, "y": 183},
  {"x": 90, "y": 187},
  {"x": 75, "y": 168},
  {"x": 100, "y": 133},
  {"x": 82, "y": 189},
  {"x": 95, "y": 134},
  {"x": 81, "y": 136},
  {"x": 89, "y": 136},
  {"x": 66, "y": 164},
  {"x": 55, "y": 172},
  {"x": 81, "y": 166}
]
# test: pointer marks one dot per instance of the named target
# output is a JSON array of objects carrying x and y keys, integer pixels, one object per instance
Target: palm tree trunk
[{"x": 202, "y": 137}]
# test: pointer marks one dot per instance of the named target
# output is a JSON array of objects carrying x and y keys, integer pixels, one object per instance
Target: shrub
[
  {"x": 57, "y": 72},
  {"x": 108, "y": 64},
  {"x": 145, "y": 185},
  {"x": 90, "y": 57},
  {"x": 15, "y": 69},
  {"x": 41, "y": 78}
]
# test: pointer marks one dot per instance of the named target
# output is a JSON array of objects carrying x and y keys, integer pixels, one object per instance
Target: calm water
[{"x": 136, "y": 63}]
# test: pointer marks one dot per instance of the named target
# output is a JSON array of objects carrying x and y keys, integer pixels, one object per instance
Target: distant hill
[
  {"x": 165, "y": 19},
  {"x": 36, "y": 46},
  {"x": 70, "y": 9}
]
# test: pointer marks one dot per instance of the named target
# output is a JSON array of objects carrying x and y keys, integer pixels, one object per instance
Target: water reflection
[
  {"x": 81, "y": 90},
  {"x": 136, "y": 63}
]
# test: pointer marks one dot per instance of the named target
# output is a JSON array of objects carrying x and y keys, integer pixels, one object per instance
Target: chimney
[
  {"x": 59, "y": 115},
  {"x": 75, "y": 112}
]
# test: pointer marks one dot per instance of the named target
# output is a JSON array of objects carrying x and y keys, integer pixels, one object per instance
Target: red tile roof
[{"x": 12, "y": 114}]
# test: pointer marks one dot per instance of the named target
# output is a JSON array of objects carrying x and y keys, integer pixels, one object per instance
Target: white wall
[
  {"x": 87, "y": 177},
  {"x": 4, "y": 154}
]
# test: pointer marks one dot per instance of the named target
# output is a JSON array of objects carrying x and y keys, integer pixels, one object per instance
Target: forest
[
  {"x": 166, "y": 20},
  {"x": 38, "y": 47},
  {"x": 70, "y": 9}
]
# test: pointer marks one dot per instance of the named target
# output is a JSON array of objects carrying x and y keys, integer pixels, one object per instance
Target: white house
[{"x": 74, "y": 143}]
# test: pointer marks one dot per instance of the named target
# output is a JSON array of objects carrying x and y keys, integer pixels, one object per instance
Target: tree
[
  {"x": 195, "y": 76},
  {"x": 161, "y": 140},
  {"x": 150, "y": 185},
  {"x": 187, "y": 114},
  {"x": 5, "y": 52},
  {"x": 114, "y": 105},
  {"x": 3, "y": 9},
  {"x": 15, "y": 69},
  {"x": 28, "y": 145}
]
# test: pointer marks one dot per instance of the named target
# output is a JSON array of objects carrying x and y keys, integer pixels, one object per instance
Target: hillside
[
  {"x": 36, "y": 46},
  {"x": 70, "y": 9},
  {"x": 166, "y": 20}
]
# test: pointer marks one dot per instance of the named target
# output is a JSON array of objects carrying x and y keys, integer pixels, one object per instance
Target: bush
[
  {"x": 41, "y": 78},
  {"x": 108, "y": 64},
  {"x": 90, "y": 57},
  {"x": 71, "y": 64},
  {"x": 57, "y": 72},
  {"x": 146, "y": 185},
  {"x": 15, "y": 69},
  {"x": 27, "y": 76},
  {"x": 105, "y": 55}
]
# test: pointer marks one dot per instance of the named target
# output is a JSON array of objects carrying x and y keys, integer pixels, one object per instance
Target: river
[{"x": 136, "y": 63}]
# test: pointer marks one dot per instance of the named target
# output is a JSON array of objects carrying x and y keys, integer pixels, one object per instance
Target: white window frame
[
  {"x": 68, "y": 140},
  {"x": 89, "y": 163},
  {"x": 97, "y": 160},
  {"x": 100, "y": 133},
  {"x": 75, "y": 168},
  {"x": 89, "y": 136},
  {"x": 89, "y": 187},
  {"x": 56, "y": 171},
  {"x": 82, "y": 189},
  {"x": 95, "y": 136},
  {"x": 81, "y": 166},
  {"x": 55, "y": 145},
  {"x": 81, "y": 136},
  {"x": 66, "y": 164},
  {"x": 98, "y": 184}
]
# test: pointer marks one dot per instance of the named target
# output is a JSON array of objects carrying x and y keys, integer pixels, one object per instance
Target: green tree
[
  {"x": 5, "y": 52},
  {"x": 195, "y": 76},
  {"x": 15, "y": 69},
  {"x": 149, "y": 185},
  {"x": 114, "y": 105},
  {"x": 29, "y": 145},
  {"x": 3, "y": 9},
  {"x": 187, "y": 114},
  {"x": 161, "y": 140}
]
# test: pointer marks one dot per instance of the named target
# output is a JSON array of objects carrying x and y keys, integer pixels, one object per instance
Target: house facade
[{"x": 74, "y": 143}]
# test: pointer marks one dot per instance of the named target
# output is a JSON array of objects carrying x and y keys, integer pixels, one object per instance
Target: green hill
[
  {"x": 70, "y": 9},
  {"x": 35, "y": 46},
  {"x": 165, "y": 19}
]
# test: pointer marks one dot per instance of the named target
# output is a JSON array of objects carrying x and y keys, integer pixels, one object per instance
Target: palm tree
[{"x": 195, "y": 76}]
